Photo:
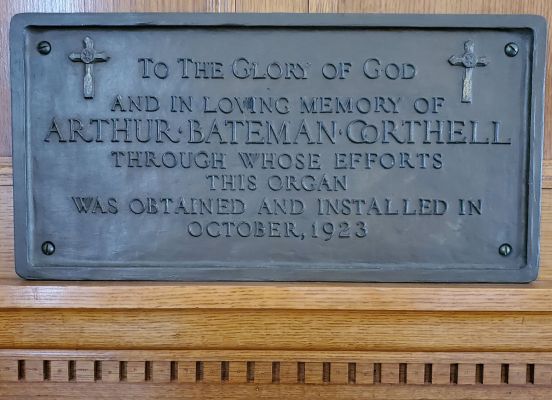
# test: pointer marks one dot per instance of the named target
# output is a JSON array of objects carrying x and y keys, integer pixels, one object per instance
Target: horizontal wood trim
[
  {"x": 342, "y": 356},
  {"x": 346, "y": 368},
  {"x": 274, "y": 330},
  {"x": 133, "y": 391},
  {"x": 536, "y": 297},
  {"x": 208, "y": 374}
]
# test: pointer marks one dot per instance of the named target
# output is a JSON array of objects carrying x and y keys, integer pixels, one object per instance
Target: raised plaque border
[{"x": 391, "y": 273}]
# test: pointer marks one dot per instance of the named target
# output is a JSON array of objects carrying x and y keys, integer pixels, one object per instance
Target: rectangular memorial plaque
[{"x": 277, "y": 147}]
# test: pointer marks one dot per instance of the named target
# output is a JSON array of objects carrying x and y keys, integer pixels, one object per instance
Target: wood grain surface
[{"x": 212, "y": 341}]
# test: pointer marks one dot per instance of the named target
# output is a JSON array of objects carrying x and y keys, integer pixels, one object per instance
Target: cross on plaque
[
  {"x": 469, "y": 61},
  {"x": 89, "y": 56}
]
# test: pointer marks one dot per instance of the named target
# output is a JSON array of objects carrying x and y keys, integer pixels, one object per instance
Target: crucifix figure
[
  {"x": 469, "y": 61},
  {"x": 89, "y": 56}
]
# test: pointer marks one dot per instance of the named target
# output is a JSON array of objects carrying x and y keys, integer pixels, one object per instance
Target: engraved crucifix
[
  {"x": 469, "y": 61},
  {"x": 89, "y": 56}
]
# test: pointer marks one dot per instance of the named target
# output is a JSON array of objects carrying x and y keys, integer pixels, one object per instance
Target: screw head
[
  {"x": 44, "y": 47},
  {"x": 48, "y": 248},
  {"x": 511, "y": 49},
  {"x": 505, "y": 249}
]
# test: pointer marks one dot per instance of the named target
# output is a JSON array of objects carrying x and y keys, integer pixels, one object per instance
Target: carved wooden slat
[
  {"x": 238, "y": 372},
  {"x": 8, "y": 370},
  {"x": 543, "y": 374},
  {"x": 364, "y": 373},
  {"x": 492, "y": 374},
  {"x": 466, "y": 374},
  {"x": 212, "y": 372},
  {"x": 339, "y": 373},
  {"x": 390, "y": 373},
  {"x": 440, "y": 374},
  {"x": 136, "y": 371},
  {"x": 415, "y": 374},
  {"x": 517, "y": 374},
  {"x": 186, "y": 371},
  {"x": 161, "y": 371},
  {"x": 84, "y": 370},
  {"x": 263, "y": 372},
  {"x": 288, "y": 372},
  {"x": 34, "y": 370},
  {"x": 313, "y": 373},
  {"x": 59, "y": 371},
  {"x": 110, "y": 371}
]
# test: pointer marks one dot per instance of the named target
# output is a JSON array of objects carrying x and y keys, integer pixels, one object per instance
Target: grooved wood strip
[{"x": 298, "y": 373}]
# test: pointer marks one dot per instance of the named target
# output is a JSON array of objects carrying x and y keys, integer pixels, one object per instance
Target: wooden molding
[
  {"x": 205, "y": 374},
  {"x": 362, "y": 368},
  {"x": 535, "y": 297}
]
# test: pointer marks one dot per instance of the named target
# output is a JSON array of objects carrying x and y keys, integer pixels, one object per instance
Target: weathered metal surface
[{"x": 277, "y": 147}]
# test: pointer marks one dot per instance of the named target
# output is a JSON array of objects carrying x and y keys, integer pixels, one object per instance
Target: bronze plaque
[{"x": 277, "y": 147}]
